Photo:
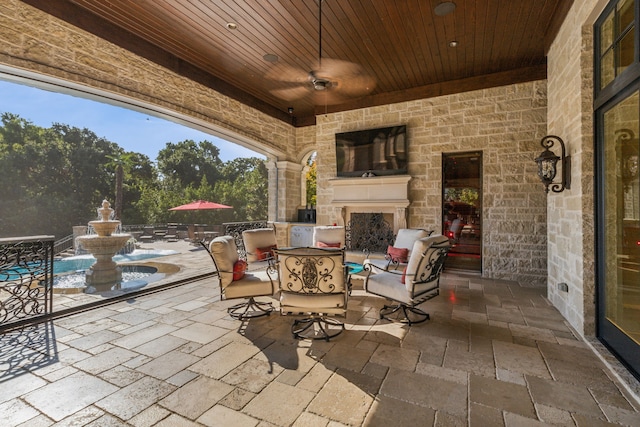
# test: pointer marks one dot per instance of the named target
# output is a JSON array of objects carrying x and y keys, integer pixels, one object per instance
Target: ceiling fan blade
[
  {"x": 355, "y": 86},
  {"x": 292, "y": 93},
  {"x": 286, "y": 73},
  {"x": 337, "y": 68}
]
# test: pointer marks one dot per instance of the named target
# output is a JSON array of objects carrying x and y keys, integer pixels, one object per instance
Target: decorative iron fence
[
  {"x": 235, "y": 229},
  {"x": 63, "y": 244},
  {"x": 368, "y": 232},
  {"x": 26, "y": 279}
]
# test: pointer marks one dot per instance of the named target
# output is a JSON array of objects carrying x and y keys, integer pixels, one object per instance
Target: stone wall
[
  {"x": 571, "y": 213},
  {"x": 506, "y": 124}
]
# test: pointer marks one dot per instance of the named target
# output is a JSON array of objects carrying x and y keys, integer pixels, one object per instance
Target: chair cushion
[
  {"x": 328, "y": 245},
  {"x": 252, "y": 284},
  {"x": 257, "y": 238},
  {"x": 323, "y": 304},
  {"x": 407, "y": 236},
  {"x": 420, "y": 246},
  {"x": 389, "y": 286},
  {"x": 329, "y": 233},
  {"x": 398, "y": 254},
  {"x": 225, "y": 253},
  {"x": 265, "y": 253},
  {"x": 239, "y": 269}
]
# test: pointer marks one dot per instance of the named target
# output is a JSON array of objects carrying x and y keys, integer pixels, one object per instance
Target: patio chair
[
  {"x": 417, "y": 283},
  {"x": 147, "y": 234},
  {"x": 397, "y": 255},
  {"x": 236, "y": 282},
  {"x": 172, "y": 233},
  {"x": 313, "y": 283},
  {"x": 329, "y": 236},
  {"x": 259, "y": 244}
]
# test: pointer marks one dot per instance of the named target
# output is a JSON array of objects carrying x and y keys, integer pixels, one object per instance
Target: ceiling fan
[{"x": 330, "y": 81}]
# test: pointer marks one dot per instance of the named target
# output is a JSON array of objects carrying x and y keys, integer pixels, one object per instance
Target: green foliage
[
  {"x": 55, "y": 178},
  {"x": 311, "y": 184}
]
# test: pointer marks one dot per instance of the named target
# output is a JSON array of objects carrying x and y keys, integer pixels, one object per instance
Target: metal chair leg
[
  {"x": 250, "y": 309},
  {"x": 387, "y": 310},
  {"x": 316, "y": 328}
]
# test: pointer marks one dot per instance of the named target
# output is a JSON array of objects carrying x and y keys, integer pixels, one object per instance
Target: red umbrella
[{"x": 200, "y": 205}]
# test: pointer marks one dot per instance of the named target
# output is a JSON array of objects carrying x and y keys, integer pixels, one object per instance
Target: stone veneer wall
[
  {"x": 506, "y": 124},
  {"x": 571, "y": 238},
  {"x": 40, "y": 43}
]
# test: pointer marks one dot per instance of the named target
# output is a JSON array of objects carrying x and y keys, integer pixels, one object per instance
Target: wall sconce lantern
[{"x": 547, "y": 165}]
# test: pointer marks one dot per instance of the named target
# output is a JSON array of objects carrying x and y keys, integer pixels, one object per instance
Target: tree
[{"x": 119, "y": 161}]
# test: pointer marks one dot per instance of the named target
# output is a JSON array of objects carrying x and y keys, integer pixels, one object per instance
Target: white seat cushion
[{"x": 252, "y": 284}]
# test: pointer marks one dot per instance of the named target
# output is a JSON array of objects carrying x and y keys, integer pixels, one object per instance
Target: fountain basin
[{"x": 105, "y": 272}]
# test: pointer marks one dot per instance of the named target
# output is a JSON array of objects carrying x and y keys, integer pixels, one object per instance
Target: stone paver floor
[{"x": 493, "y": 354}]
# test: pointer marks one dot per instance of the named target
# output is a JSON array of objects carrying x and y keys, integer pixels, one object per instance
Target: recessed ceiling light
[
  {"x": 270, "y": 57},
  {"x": 444, "y": 8},
  {"x": 231, "y": 26},
  {"x": 453, "y": 43}
]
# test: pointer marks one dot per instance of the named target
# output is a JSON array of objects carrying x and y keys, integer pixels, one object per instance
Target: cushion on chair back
[
  {"x": 224, "y": 251},
  {"x": 259, "y": 238},
  {"x": 420, "y": 246},
  {"x": 407, "y": 237},
  {"x": 329, "y": 235}
]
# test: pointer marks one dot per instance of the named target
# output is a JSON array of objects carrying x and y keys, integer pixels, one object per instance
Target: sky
[{"x": 130, "y": 129}]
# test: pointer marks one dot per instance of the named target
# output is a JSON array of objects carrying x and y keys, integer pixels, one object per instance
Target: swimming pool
[{"x": 83, "y": 262}]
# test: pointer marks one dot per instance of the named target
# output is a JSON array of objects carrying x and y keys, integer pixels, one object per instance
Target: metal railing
[
  {"x": 26, "y": 279},
  {"x": 63, "y": 244}
]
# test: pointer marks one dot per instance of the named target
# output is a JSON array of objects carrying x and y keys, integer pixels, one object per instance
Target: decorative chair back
[
  {"x": 311, "y": 270},
  {"x": 426, "y": 263},
  {"x": 313, "y": 283}
]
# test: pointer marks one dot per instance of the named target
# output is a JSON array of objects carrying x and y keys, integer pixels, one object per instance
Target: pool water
[
  {"x": 83, "y": 262},
  {"x": 133, "y": 277}
]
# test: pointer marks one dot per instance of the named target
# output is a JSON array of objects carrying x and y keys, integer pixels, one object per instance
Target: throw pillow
[
  {"x": 265, "y": 253},
  {"x": 239, "y": 267},
  {"x": 398, "y": 254},
  {"x": 328, "y": 245},
  {"x": 404, "y": 274}
]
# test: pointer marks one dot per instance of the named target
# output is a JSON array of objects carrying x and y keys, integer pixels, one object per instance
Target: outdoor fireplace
[{"x": 385, "y": 196}]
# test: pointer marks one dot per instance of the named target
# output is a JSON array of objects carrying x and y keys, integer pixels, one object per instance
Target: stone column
[{"x": 287, "y": 190}]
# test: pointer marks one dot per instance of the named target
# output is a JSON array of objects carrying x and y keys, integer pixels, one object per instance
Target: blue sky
[{"x": 131, "y": 130}]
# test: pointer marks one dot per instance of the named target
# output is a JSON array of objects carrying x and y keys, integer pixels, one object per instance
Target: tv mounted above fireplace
[{"x": 372, "y": 152}]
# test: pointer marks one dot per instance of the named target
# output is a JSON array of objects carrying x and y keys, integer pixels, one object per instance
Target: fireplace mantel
[{"x": 386, "y": 194}]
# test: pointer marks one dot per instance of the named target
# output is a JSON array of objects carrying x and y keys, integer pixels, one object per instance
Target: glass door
[
  {"x": 462, "y": 209},
  {"x": 619, "y": 227}
]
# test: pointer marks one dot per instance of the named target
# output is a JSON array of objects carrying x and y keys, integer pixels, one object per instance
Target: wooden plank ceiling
[{"x": 373, "y": 51}]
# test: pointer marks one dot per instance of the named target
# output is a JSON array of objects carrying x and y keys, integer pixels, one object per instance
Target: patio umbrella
[{"x": 200, "y": 205}]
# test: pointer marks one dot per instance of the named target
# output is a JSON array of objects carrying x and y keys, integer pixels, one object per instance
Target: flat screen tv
[{"x": 372, "y": 152}]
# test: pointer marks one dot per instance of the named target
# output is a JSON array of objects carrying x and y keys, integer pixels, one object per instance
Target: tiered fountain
[{"x": 103, "y": 245}]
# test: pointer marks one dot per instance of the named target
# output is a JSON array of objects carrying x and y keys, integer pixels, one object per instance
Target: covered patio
[
  {"x": 494, "y": 353},
  {"x": 515, "y": 344}
]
